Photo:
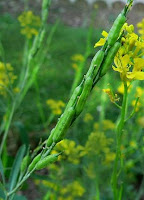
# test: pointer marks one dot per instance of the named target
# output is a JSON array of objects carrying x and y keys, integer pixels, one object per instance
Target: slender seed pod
[
  {"x": 34, "y": 162},
  {"x": 116, "y": 28},
  {"x": 25, "y": 163},
  {"x": 50, "y": 138},
  {"x": 83, "y": 97},
  {"x": 46, "y": 161},
  {"x": 95, "y": 64},
  {"x": 45, "y": 7},
  {"x": 109, "y": 59},
  {"x": 63, "y": 125},
  {"x": 74, "y": 96}
]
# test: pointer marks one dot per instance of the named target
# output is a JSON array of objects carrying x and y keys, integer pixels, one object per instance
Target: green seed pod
[
  {"x": 50, "y": 138},
  {"x": 116, "y": 28},
  {"x": 74, "y": 96},
  {"x": 63, "y": 125},
  {"x": 96, "y": 62},
  {"x": 45, "y": 7},
  {"x": 46, "y": 161},
  {"x": 83, "y": 97},
  {"x": 25, "y": 163},
  {"x": 109, "y": 59},
  {"x": 34, "y": 162}
]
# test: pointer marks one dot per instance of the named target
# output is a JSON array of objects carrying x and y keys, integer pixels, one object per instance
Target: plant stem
[
  {"x": 119, "y": 131},
  {"x": 7, "y": 125}
]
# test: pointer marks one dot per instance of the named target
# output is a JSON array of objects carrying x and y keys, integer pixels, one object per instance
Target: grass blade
[{"x": 16, "y": 167}]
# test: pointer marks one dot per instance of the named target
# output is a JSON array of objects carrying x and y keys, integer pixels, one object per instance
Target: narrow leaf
[
  {"x": 2, "y": 171},
  {"x": 16, "y": 167}
]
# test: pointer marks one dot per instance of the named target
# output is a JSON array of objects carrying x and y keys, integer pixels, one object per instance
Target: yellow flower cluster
[
  {"x": 74, "y": 188},
  {"x": 140, "y": 26},
  {"x": 69, "y": 192},
  {"x": 129, "y": 61},
  {"x": 98, "y": 144},
  {"x": 72, "y": 152},
  {"x": 55, "y": 106},
  {"x": 29, "y": 23},
  {"x": 77, "y": 59},
  {"x": 6, "y": 77}
]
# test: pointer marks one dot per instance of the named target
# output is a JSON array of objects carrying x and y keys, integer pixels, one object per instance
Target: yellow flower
[
  {"x": 90, "y": 171},
  {"x": 102, "y": 41},
  {"x": 141, "y": 121},
  {"x": 139, "y": 92},
  {"x": 121, "y": 88},
  {"x": 109, "y": 157},
  {"x": 88, "y": 117},
  {"x": 108, "y": 124},
  {"x": 77, "y": 57},
  {"x": 75, "y": 66},
  {"x": 16, "y": 90},
  {"x": 133, "y": 144},
  {"x": 29, "y": 23},
  {"x": 55, "y": 106}
]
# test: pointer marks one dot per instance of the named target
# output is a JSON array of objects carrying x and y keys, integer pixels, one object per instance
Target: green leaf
[
  {"x": 2, "y": 171},
  {"x": 2, "y": 194},
  {"x": 16, "y": 167}
]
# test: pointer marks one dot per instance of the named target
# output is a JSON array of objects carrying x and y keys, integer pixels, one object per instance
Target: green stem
[
  {"x": 119, "y": 131},
  {"x": 7, "y": 125}
]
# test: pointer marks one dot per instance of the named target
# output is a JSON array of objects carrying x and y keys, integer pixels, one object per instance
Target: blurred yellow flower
[
  {"x": 55, "y": 106},
  {"x": 75, "y": 66},
  {"x": 7, "y": 77},
  {"x": 113, "y": 97},
  {"x": 77, "y": 57},
  {"x": 138, "y": 105},
  {"x": 97, "y": 143},
  {"x": 140, "y": 26},
  {"x": 88, "y": 117},
  {"x": 140, "y": 121},
  {"x": 29, "y": 23},
  {"x": 74, "y": 188},
  {"x": 121, "y": 88},
  {"x": 133, "y": 144}
]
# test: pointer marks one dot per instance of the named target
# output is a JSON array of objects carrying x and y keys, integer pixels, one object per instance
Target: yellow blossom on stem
[{"x": 102, "y": 41}]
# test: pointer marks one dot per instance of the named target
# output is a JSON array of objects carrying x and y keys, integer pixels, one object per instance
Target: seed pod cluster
[{"x": 98, "y": 68}]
